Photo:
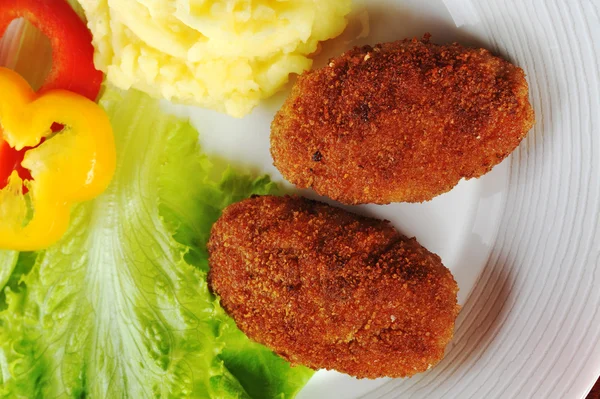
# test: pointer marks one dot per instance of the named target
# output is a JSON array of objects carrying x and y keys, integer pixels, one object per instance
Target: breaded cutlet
[
  {"x": 326, "y": 288},
  {"x": 400, "y": 122}
]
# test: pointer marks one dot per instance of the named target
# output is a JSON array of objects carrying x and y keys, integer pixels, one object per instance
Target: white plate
[{"x": 523, "y": 241}]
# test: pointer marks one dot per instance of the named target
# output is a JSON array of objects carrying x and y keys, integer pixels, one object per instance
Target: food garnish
[
  {"x": 72, "y": 51},
  {"x": 330, "y": 289},
  {"x": 10, "y": 160},
  {"x": 71, "y": 166},
  {"x": 400, "y": 122},
  {"x": 223, "y": 55},
  {"x": 119, "y": 307},
  {"x": 72, "y": 60}
]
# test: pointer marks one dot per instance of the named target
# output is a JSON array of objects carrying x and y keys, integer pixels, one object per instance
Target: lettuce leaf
[
  {"x": 120, "y": 307},
  {"x": 8, "y": 261}
]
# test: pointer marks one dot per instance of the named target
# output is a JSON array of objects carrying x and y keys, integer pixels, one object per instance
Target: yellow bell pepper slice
[{"x": 70, "y": 166}]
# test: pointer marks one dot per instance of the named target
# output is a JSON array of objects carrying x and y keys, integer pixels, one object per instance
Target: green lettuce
[
  {"x": 120, "y": 307},
  {"x": 8, "y": 261}
]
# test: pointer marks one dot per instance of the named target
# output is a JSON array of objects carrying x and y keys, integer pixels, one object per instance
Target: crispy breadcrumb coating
[
  {"x": 330, "y": 289},
  {"x": 400, "y": 122}
]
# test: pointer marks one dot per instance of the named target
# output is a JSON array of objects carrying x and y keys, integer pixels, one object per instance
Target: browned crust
[
  {"x": 329, "y": 289},
  {"x": 400, "y": 122}
]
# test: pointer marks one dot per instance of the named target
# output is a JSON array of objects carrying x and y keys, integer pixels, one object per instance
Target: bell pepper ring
[
  {"x": 72, "y": 50},
  {"x": 10, "y": 159},
  {"x": 74, "y": 165},
  {"x": 72, "y": 59}
]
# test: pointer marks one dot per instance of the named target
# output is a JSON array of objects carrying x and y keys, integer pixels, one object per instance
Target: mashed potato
[{"x": 221, "y": 54}]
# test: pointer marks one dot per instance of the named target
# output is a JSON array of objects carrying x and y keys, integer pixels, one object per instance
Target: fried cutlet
[
  {"x": 326, "y": 288},
  {"x": 400, "y": 122}
]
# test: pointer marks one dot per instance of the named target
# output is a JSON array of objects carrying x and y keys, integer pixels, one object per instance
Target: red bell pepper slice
[
  {"x": 72, "y": 59},
  {"x": 71, "y": 41},
  {"x": 10, "y": 159}
]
